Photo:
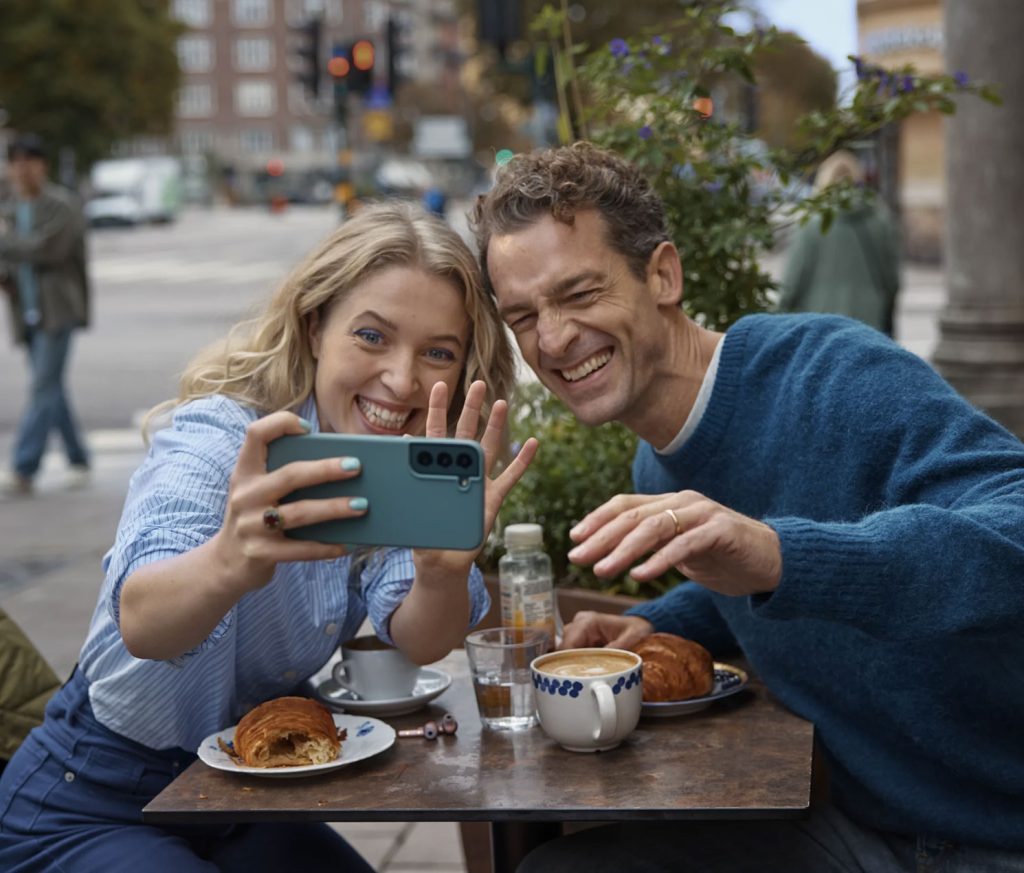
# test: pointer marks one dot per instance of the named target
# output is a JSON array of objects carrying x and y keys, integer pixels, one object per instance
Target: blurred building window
[
  {"x": 256, "y": 141},
  {"x": 194, "y": 13},
  {"x": 195, "y": 100},
  {"x": 254, "y": 54},
  {"x": 375, "y": 15},
  {"x": 330, "y": 142},
  {"x": 334, "y": 11},
  {"x": 254, "y": 97},
  {"x": 195, "y": 54},
  {"x": 196, "y": 142},
  {"x": 251, "y": 13},
  {"x": 300, "y": 139},
  {"x": 297, "y": 12}
]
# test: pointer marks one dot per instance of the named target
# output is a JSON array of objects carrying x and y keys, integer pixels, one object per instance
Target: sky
[{"x": 830, "y": 26}]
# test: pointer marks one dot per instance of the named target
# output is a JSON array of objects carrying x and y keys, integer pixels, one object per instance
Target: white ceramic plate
[
  {"x": 728, "y": 681},
  {"x": 430, "y": 683},
  {"x": 366, "y": 737}
]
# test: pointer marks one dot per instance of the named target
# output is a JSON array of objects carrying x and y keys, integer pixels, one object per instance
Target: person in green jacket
[
  {"x": 26, "y": 684},
  {"x": 852, "y": 268}
]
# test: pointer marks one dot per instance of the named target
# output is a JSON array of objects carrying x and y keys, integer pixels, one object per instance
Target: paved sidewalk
[{"x": 53, "y": 543}]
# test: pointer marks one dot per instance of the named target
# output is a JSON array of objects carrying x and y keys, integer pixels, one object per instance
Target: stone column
[{"x": 981, "y": 346}]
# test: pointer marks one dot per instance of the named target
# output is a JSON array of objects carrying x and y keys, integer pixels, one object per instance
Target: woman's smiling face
[{"x": 381, "y": 348}]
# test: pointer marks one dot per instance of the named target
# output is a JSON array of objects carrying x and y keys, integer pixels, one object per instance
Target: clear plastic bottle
[{"x": 524, "y": 576}]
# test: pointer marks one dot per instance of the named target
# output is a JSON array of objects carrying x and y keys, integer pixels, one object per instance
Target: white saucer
[
  {"x": 366, "y": 737},
  {"x": 729, "y": 680},
  {"x": 431, "y": 683}
]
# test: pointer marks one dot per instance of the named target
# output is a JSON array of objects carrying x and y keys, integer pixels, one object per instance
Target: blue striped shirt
[{"x": 272, "y": 639}]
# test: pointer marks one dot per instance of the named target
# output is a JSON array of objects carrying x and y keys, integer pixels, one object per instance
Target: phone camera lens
[
  {"x": 424, "y": 459},
  {"x": 444, "y": 459},
  {"x": 464, "y": 460}
]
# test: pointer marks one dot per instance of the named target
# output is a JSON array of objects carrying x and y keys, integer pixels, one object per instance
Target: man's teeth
[
  {"x": 587, "y": 367},
  {"x": 382, "y": 417}
]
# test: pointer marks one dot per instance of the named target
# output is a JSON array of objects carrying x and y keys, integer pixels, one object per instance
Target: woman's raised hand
[
  {"x": 467, "y": 427},
  {"x": 251, "y": 540}
]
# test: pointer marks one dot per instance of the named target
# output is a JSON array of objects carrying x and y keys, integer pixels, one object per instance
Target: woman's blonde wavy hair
[{"x": 267, "y": 363}]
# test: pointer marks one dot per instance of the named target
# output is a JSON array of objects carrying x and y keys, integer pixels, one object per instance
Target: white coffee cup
[
  {"x": 588, "y": 700},
  {"x": 373, "y": 670}
]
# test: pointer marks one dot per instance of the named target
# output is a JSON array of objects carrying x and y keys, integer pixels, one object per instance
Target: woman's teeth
[
  {"x": 381, "y": 417},
  {"x": 587, "y": 367}
]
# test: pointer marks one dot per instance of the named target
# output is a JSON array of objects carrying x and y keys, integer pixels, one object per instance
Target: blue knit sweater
[{"x": 898, "y": 624}]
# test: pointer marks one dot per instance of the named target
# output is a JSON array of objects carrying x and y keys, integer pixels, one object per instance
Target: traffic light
[
  {"x": 500, "y": 23},
  {"x": 309, "y": 53},
  {"x": 395, "y": 48},
  {"x": 340, "y": 68},
  {"x": 362, "y": 56}
]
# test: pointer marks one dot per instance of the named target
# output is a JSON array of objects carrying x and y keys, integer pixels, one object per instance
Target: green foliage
[
  {"x": 87, "y": 73},
  {"x": 576, "y": 470}
]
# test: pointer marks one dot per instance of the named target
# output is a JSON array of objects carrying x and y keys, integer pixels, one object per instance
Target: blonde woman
[{"x": 207, "y": 609}]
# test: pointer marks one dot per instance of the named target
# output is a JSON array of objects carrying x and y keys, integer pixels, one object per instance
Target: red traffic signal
[
  {"x": 338, "y": 66},
  {"x": 363, "y": 55}
]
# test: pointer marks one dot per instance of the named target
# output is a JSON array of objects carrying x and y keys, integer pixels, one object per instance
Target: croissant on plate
[
  {"x": 674, "y": 668},
  {"x": 286, "y": 732}
]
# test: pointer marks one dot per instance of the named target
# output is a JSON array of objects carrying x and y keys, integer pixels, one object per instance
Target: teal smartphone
[{"x": 423, "y": 493}]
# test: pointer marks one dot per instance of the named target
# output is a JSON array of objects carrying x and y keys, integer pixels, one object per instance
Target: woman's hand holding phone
[{"x": 251, "y": 538}]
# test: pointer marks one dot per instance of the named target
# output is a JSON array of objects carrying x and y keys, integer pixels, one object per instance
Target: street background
[{"x": 159, "y": 294}]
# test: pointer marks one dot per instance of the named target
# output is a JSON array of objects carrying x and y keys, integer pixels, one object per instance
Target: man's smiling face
[{"x": 587, "y": 326}]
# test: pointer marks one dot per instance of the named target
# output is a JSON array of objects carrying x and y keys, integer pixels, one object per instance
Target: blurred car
[{"x": 134, "y": 190}]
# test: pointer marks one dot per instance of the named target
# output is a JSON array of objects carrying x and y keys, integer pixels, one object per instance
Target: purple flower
[
  {"x": 660, "y": 44},
  {"x": 645, "y": 132},
  {"x": 858, "y": 65},
  {"x": 907, "y": 84},
  {"x": 713, "y": 187},
  {"x": 515, "y": 447},
  {"x": 618, "y": 47},
  {"x": 961, "y": 78}
]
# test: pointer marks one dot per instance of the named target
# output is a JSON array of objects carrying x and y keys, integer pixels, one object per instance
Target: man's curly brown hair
[{"x": 563, "y": 181}]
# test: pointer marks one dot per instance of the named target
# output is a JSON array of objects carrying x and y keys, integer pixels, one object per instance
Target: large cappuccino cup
[{"x": 588, "y": 700}]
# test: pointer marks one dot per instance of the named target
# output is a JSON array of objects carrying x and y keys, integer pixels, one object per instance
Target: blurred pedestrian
[
  {"x": 853, "y": 267},
  {"x": 42, "y": 259}
]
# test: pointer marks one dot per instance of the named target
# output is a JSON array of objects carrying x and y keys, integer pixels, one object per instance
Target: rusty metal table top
[{"x": 743, "y": 757}]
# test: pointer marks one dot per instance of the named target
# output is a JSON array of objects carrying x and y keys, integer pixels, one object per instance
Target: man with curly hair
[{"x": 842, "y": 514}]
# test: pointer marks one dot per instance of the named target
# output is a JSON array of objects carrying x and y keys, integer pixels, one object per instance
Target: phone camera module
[
  {"x": 444, "y": 459},
  {"x": 424, "y": 459},
  {"x": 464, "y": 460}
]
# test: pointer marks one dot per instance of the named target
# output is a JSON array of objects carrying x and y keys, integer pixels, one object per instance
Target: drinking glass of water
[{"x": 499, "y": 659}]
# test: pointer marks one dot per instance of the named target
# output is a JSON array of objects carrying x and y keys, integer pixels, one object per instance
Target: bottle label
[{"x": 529, "y": 603}]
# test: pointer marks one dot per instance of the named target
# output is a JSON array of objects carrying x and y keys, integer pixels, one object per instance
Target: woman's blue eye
[
  {"x": 441, "y": 355},
  {"x": 371, "y": 336}
]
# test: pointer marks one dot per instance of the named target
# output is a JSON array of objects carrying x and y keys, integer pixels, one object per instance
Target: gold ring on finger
[
  {"x": 272, "y": 518},
  {"x": 671, "y": 513}
]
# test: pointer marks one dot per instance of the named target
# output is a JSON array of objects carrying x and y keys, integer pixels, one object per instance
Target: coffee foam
[{"x": 586, "y": 664}]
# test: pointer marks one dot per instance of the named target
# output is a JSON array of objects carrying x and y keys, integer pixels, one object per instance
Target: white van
[{"x": 134, "y": 191}]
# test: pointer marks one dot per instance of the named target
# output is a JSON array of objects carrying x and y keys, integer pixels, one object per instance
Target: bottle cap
[{"x": 524, "y": 535}]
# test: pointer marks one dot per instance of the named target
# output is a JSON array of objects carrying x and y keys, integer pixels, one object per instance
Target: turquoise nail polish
[
  {"x": 350, "y": 464},
  {"x": 358, "y": 503},
  {"x": 305, "y": 425}
]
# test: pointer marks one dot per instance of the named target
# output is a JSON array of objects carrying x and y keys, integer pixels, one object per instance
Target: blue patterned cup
[{"x": 588, "y": 700}]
